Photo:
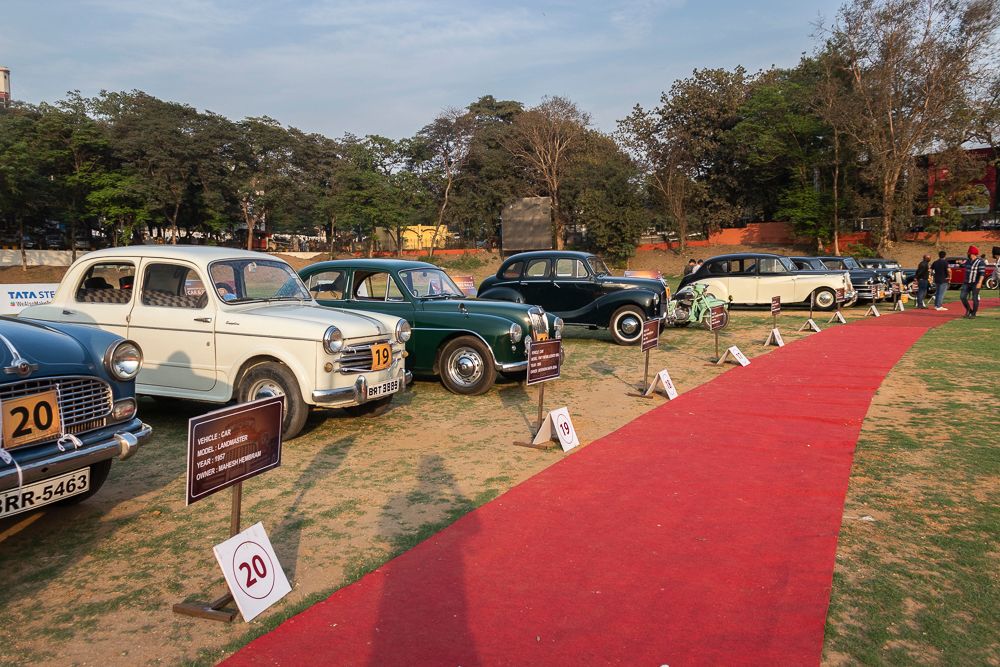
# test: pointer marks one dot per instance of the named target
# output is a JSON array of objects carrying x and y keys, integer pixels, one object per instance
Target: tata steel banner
[{"x": 18, "y": 296}]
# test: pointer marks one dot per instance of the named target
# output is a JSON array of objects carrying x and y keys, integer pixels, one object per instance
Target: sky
[{"x": 389, "y": 67}]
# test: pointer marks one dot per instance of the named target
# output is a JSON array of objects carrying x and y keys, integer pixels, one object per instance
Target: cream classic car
[
  {"x": 217, "y": 324},
  {"x": 753, "y": 278}
]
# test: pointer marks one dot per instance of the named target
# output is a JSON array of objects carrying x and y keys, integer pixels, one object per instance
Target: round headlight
[
  {"x": 333, "y": 340},
  {"x": 557, "y": 326},
  {"x": 123, "y": 360},
  {"x": 516, "y": 333},
  {"x": 403, "y": 331}
]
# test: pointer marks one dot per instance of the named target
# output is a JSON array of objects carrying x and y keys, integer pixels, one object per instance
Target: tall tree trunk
[
  {"x": 333, "y": 233},
  {"x": 558, "y": 223},
  {"x": 888, "y": 211},
  {"x": 836, "y": 194},
  {"x": 24, "y": 253},
  {"x": 440, "y": 220}
]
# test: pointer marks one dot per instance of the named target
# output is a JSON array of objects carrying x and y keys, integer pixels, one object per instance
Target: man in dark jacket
[
  {"x": 942, "y": 277},
  {"x": 922, "y": 276}
]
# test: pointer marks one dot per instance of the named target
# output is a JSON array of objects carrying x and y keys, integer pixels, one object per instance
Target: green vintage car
[{"x": 465, "y": 341}]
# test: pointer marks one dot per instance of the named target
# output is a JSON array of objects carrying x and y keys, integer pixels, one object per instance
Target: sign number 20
[{"x": 259, "y": 568}]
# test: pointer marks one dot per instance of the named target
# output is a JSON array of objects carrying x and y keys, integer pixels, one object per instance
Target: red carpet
[{"x": 702, "y": 533}]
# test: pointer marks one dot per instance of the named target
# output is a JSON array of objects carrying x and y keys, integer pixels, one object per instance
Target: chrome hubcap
[
  {"x": 465, "y": 366},
  {"x": 265, "y": 389},
  {"x": 629, "y": 325}
]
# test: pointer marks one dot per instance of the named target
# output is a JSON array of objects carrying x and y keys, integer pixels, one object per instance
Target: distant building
[
  {"x": 4, "y": 86},
  {"x": 413, "y": 237}
]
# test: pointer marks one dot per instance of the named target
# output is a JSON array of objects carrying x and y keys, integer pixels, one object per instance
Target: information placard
[
  {"x": 663, "y": 384},
  {"x": 252, "y": 571},
  {"x": 543, "y": 360},
  {"x": 650, "y": 335},
  {"x": 465, "y": 283},
  {"x": 233, "y": 444},
  {"x": 736, "y": 354},
  {"x": 775, "y": 305},
  {"x": 716, "y": 317}
]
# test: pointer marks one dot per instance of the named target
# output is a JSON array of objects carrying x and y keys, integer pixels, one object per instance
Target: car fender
[
  {"x": 266, "y": 349},
  {"x": 502, "y": 294},
  {"x": 492, "y": 330},
  {"x": 604, "y": 306},
  {"x": 715, "y": 287}
]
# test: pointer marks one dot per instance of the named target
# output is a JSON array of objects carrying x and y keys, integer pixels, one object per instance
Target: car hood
[
  {"x": 508, "y": 309},
  {"x": 298, "y": 320},
  {"x": 55, "y": 352}
]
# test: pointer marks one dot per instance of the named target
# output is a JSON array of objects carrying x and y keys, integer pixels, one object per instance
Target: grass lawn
[{"x": 917, "y": 579}]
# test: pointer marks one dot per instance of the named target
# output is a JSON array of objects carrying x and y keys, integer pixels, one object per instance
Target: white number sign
[
  {"x": 252, "y": 571},
  {"x": 736, "y": 354},
  {"x": 663, "y": 384},
  {"x": 557, "y": 426}
]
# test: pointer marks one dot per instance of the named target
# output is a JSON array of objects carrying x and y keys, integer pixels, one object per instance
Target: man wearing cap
[{"x": 975, "y": 269}]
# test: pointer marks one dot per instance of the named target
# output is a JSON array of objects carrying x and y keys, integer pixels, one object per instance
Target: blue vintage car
[{"x": 67, "y": 405}]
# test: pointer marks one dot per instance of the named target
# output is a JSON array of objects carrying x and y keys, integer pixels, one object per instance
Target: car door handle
[{"x": 203, "y": 319}]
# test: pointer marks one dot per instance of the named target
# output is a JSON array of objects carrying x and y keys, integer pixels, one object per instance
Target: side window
[
  {"x": 718, "y": 268},
  {"x": 834, "y": 264},
  {"x": 173, "y": 286},
  {"x": 742, "y": 267},
  {"x": 771, "y": 266},
  {"x": 371, "y": 286},
  {"x": 328, "y": 285},
  {"x": 224, "y": 281},
  {"x": 537, "y": 268},
  {"x": 107, "y": 282},
  {"x": 513, "y": 272},
  {"x": 393, "y": 292},
  {"x": 565, "y": 268},
  {"x": 581, "y": 269}
]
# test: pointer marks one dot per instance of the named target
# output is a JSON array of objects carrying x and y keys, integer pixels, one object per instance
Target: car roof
[
  {"x": 549, "y": 254},
  {"x": 387, "y": 264},
  {"x": 744, "y": 255},
  {"x": 198, "y": 253}
]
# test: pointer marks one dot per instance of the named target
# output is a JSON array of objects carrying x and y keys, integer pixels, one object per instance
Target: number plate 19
[
  {"x": 28, "y": 419},
  {"x": 381, "y": 356}
]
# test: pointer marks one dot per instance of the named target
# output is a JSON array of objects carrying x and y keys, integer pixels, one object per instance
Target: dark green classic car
[{"x": 464, "y": 341}]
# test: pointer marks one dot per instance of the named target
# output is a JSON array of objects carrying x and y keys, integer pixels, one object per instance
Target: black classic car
[
  {"x": 891, "y": 269},
  {"x": 868, "y": 283},
  {"x": 579, "y": 288},
  {"x": 67, "y": 403}
]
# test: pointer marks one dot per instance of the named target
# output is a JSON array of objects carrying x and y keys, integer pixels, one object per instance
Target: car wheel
[
  {"x": 274, "y": 379},
  {"x": 626, "y": 325},
  {"x": 466, "y": 366},
  {"x": 370, "y": 409},
  {"x": 98, "y": 473},
  {"x": 991, "y": 282},
  {"x": 825, "y": 298}
]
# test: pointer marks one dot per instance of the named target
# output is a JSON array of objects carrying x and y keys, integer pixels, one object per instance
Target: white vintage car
[
  {"x": 753, "y": 278},
  {"x": 217, "y": 324}
]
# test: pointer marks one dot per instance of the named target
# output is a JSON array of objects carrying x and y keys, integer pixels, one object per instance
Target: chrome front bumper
[
  {"x": 353, "y": 395},
  {"x": 122, "y": 445}
]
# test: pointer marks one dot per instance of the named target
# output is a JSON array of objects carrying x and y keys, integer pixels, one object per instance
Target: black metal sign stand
[{"x": 216, "y": 610}]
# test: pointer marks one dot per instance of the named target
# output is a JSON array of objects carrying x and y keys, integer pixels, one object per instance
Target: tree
[
  {"x": 444, "y": 146},
  {"x": 546, "y": 138},
  {"x": 24, "y": 186},
  {"x": 912, "y": 66}
]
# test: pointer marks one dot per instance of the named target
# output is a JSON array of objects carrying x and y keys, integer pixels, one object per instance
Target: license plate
[
  {"x": 381, "y": 356},
  {"x": 384, "y": 388},
  {"x": 43, "y": 493},
  {"x": 30, "y": 419}
]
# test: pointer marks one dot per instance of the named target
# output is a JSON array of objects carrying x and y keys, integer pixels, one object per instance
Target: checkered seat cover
[
  {"x": 168, "y": 300},
  {"x": 103, "y": 295}
]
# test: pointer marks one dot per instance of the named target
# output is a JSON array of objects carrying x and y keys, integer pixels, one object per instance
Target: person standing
[
  {"x": 690, "y": 266},
  {"x": 975, "y": 270},
  {"x": 942, "y": 278},
  {"x": 922, "y": 276}
]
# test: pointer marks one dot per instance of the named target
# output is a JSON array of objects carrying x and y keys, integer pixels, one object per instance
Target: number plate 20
[{"x": 30, "y": 419}]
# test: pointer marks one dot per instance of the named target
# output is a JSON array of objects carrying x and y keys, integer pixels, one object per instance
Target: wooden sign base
[
  {"x": 733, "y": 354},
  {"x": 810, "y": 325},
  {"x": 216, "y": 610},
  {"x": 557, "y": 428},
  {"x": 899, "y": 306},
  {"x": 774, "y": 338},
  {"x": 872, "y": 311}
]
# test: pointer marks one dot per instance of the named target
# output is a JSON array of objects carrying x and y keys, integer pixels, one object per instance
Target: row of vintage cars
[{"x": 219, "y": 325}]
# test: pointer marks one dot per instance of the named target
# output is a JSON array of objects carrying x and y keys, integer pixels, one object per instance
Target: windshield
[
  {"x": 598, "y": 266},
  {"x": 430, "y": 284},
  {"x": 245, "y": 280}
]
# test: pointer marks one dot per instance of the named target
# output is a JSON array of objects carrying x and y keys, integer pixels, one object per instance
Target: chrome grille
[
  {"x": 358, "y": 358},
  {"x": 84, "y": 402},
  {"x": 538, "y": 324}
]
